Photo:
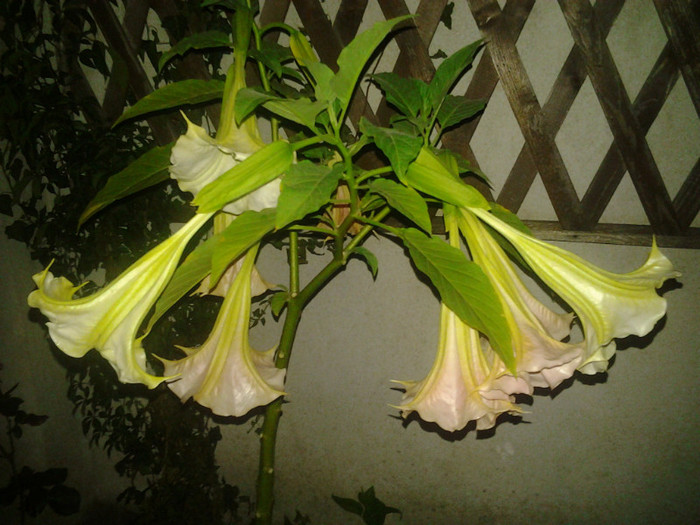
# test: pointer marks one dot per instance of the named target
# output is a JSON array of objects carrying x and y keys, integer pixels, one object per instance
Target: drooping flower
[
  {"x": 460, "y": 387},
  {"x": 542, "y": 359},
  {"x": 608, "y": 305},
  {"x": 109, "y": 319},
  {"x": 226, "y": 374},
  {"x": 198, "y": 159}
]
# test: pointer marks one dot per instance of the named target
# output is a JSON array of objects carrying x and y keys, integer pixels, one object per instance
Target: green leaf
[
  {"x": 456, "y": 109},
  {"x": 429, "y": 175},
  {"x": 205, "y": 40},
  {"x": 183, "y": 93},
  {"x": 354, "y": 57},
  {"x": 300, "y": 110},
  {"x": 323, "y": 76},
  {"x": 255, "y": 171},
  {"x": 449, "y": 71},
  {"x": 303, "y": 53},
  {"x": 248, "y": 228},
  {"x": 149, "y": 169},
  {"x": 305, "y": 188},
  {"x": 278, "y": 302},
  {"x": 272, "y": 55},
  {"x": 193, "y": 269},
  {"x": 406, "y": 94},
  {"x": 369, "y": 258},
  {"x": 399, "y": 147},
  {"x": 405, "y": 200},
  {"x": 247, "y": 99},
  {"x": 464, "y": 288}
]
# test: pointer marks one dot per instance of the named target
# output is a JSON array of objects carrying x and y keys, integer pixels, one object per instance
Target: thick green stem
[{"x": 295, "y": 306}]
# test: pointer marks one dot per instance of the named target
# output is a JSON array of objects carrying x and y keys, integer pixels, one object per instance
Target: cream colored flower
[
  {"x": 198, "y": 159},
  {"x": 226, "y": 374},
  {"x": 460, "y": 386},
  {"x": 109, "y": 319},
  {"x": 542, "y": 359},
  {"x": 608, "y": 305}
]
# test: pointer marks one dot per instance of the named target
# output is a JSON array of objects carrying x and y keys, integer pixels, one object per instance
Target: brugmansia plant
[{"x": 496, "y": 339}]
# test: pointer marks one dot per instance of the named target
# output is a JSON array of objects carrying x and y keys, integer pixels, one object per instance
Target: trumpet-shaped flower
[
  {"x": 198, "y": 159},
  {"x": 542, "y": 359},
  {"x": 225, "y": 374},
  {"x": 460, "y": 387},
  {"x": 608, "y": 305},
  {"x": 109, "y": 319}
]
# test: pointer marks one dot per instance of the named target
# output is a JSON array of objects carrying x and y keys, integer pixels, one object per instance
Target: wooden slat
[
  {"x": 414, "y": 59},
  {"x": 485, "y": 76},
  {"x": 482, "y": 85},
  {"x": 617, "y": 108},
  {"x": 118, "y": 40},
  {"x": 646, "y": 107},
  {"x": 191, "y": 65},
  {"x": 681, "y": 21},
  {"x": 115, "y": 93},
  {"x": 273, "y": 11},
  {"x": 348, "y": 19},
  {"x": 687, "y": 201},
  {"x": 564, "y": 90},
  {"x": 628, "y": 234},
  {"x": 528, "y": 112}
]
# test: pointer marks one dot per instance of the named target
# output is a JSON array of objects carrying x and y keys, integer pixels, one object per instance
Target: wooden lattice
[{"x": 629, "y": 121}]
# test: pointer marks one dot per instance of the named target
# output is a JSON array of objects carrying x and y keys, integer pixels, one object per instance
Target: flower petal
[
  {"x": 197, "y": 160},
  {"x": 458, "y": 388},
  {"x": 609, "y": 305},
  {"x": 542, "y": 360},
  {"x": 225, "y": 374},
  {"x": 109, "y": 319}
]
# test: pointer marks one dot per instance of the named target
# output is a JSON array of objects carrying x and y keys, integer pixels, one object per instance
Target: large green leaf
[
  {"x": 399, "y": 147},
  {"x": 258, "y": 169},
  {"x": 405, "y": 200},
  {"x": 248, "y": 228},
  {"x": 429, "y": 175},
  {"x": 323, "y": 76},
  {"x": 183, "y": 93},
  {"x": 464, "y": 288},
  {"x": 193, "y": 269},
  {"x": 301, "y": 110},
  {"x": 149, "y": 169},
  {"x": 456, "y": 109},
  {"x": 354, "y": 57},
  {"x": 272, "y": 55},
  {"x": 205, "y": 40},
  {"x": 247, "y": 99},
  {"x": 305, "y": 188},
  {"x": 449, "y": 71},
  {"x": 406, "y": 94}
]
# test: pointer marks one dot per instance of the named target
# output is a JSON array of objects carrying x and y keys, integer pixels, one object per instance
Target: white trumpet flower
[
  {"x": 109, "y": 319},
  {"x": 226, "y": 374}
]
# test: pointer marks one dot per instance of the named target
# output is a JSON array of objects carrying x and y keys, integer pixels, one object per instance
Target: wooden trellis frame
[{"x": 629, "y": 121}]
